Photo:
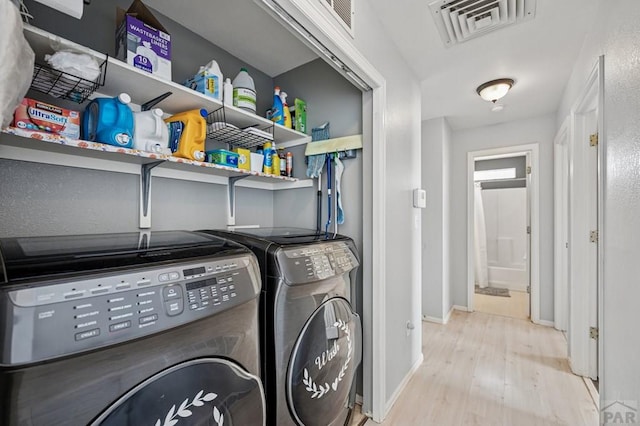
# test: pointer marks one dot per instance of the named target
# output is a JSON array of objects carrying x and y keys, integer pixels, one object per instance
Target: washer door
[
  {"x": 206, "y": 391},
  {"x": 323, "y": 365}
]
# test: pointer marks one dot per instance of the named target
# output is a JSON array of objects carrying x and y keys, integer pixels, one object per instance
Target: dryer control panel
[
  {"x": 304, "y": 264},
  {"x": 53, "y": 319}
]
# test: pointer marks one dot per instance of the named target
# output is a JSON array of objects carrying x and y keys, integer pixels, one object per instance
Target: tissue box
[
  {"x": 36, "y": 115},
  {"x": 142, "y": 41},
  {"x": 223, "y": 157},
  {"x": 256, "y": 162},
  {"x": 244, "y": 158}
]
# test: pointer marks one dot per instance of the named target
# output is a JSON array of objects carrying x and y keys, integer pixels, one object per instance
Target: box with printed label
[
  {"x": 36, "y": 115},
  {"x": 142, "y": 41}
]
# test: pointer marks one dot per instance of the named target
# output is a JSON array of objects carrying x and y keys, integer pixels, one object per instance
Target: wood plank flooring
[
  {"x": 516, "y": 306},
  {"x": 491, "y": 370}
]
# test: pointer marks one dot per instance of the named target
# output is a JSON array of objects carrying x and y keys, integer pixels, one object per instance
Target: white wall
[
  {"x": 436, "y": 148},
  {"x": 539, "y": 130},
  {"x": 616, "y": 37}
]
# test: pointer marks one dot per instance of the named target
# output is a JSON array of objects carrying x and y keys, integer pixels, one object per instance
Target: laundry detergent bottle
[
  {"x": 187, "y": 133},
  {"x": 151, "y": 132},
  {"x": 285, "y": 110},
  {"x": 277, "y": 110},
  {"x": 109, "y": 120}
]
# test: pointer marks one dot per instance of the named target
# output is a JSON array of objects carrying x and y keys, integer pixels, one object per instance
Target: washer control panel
[
  {"x": 317, "y": 262},
  {"x": 62, "y": 318}
]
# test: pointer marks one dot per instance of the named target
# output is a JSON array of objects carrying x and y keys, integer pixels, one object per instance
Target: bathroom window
[{"x": 495, "y": 174}]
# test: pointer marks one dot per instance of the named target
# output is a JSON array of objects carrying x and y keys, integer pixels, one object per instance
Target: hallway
[{"x": 483, "y": 369}]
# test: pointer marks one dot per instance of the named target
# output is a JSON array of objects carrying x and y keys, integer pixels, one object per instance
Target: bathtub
[{"x": 511, "y": 278}]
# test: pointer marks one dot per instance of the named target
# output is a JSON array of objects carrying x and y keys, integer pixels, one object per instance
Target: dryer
[
  {"x": 127, "y": 329},
  {"x": 311, "y": 336}
]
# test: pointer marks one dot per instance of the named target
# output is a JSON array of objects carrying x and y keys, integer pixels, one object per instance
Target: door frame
[
  {"x": 302, "y": 17},
  {"x": 561, "y": 226},
  {"x": 534, "y": 279}
]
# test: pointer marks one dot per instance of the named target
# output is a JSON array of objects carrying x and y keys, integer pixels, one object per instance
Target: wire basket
[
  {"x": 249, "y": 137},
  {"x": 63, "y": 85}
]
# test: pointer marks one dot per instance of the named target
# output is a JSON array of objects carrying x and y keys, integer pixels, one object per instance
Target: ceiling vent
[
  {"x": 343, "y": 11},
  {"x": 461, "y": 20}
]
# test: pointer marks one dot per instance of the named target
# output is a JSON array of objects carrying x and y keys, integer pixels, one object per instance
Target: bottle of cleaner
[
  {"x": 289, "y": 164},
  {"x": 283, "y": 162},
  {"x": 187, "y": 133},
  {"x": 285, "y": 109},
  {"x": 151, "y": 133},
  {"x": 109, "y": 120},
  {"x": 244, "y": 91},
  {"x": 228, "y": 92},
  {"x": 275, "y": 160},
  {"x": 213, "y": 80},
  {"x": 277, "y": 113},
  {"x": 267, "y": 166}
]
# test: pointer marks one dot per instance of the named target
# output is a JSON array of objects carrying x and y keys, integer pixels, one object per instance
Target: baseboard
[
  {"x": 402, "y": 385},
  {"x": 461, "y": 308},
  {"x": 593, "y": 392},
  {"x": 545, "y": 323},
  {"x": 437, "y": 320},
  {"x": 448, "y": 316}
]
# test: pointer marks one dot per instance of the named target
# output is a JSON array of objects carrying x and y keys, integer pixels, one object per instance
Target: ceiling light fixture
[{"x": 493, "y": 90}]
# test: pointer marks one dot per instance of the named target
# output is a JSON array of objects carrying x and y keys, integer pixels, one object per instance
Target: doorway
[
  {"x": 501, "y": 248},
  {"x": 503, "y": 231}
]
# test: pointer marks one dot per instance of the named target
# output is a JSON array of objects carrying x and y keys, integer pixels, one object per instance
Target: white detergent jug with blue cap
[
  {"x": 151, "y": 132},
  {"x": 109, "y": 120}
]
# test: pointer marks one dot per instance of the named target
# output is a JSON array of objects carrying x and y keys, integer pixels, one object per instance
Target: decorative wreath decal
[
  {"x": 184, "y": 412},
  {"x": 318, "y": 391}
]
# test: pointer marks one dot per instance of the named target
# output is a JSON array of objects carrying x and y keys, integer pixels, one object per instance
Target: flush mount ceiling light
[{"x": 493, "y": 90}]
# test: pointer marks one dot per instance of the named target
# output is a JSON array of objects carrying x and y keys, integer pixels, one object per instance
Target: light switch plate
[{"x": 419, "y": 198}]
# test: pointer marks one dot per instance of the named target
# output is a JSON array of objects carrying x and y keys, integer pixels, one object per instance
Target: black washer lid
[
  {"x": 38, "y": 257},
  {"x": 286, "y": 236},
  {"x": 202, "y": 392}
]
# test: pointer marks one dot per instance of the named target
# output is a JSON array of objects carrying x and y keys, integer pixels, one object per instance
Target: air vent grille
[
  {"x": 461, "y": 20},
  {"x": 343, "y": 10}
]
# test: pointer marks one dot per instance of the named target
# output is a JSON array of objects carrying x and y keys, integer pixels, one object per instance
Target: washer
[
  {"x": 129, "y": 329},
  {"x": 311, "y": 336}
]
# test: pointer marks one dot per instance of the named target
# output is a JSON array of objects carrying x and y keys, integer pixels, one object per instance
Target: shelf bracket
[
  {"x": 153, "y": 102},
  {"x": 231, "y": 199},
  {"x": 145, "y": 194}
]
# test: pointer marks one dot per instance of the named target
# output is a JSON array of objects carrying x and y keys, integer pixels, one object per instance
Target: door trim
[
  {"x": 534, "y": 282},
  {"x": 561, "y": 222}
]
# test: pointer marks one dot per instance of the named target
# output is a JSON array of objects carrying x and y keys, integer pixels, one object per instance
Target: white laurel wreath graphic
[
  {"x": 318, "y": 391},
  {"x": 184, "y": 412}
]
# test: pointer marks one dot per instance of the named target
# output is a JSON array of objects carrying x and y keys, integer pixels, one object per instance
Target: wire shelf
[
  {"x": 63, "y": 85},
  {"x": 218, "y": 129}
]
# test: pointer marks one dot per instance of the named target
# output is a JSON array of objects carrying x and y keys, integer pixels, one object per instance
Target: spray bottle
[
  {"x": 285, "y": 109},
  {"x": 277, "y": 110}
]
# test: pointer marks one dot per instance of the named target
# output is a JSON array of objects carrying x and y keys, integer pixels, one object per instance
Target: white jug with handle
[{"x": 150, "y": 132}]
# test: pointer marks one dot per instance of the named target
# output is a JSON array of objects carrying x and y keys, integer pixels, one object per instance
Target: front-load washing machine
[
  {"x": 129, "y": 329},
  {"x": 311, "y": 336}
]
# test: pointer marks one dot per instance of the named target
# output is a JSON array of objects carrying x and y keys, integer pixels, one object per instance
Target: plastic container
[
  {"x": 208, "y": 81},
  {"x": 289, "y": 164},
  {"x": 187, "y": 133},
  {"x": 244, "y": 91},
  {"x": 151, "y": 132},
  {"x": 275, "y": 160},
  {"x": 267, "y": 168},
  {"x": 283, "y": 161},
  {"x": 277, "y": 112},
  {"x": 109, "y": 120},
  {"x": 228, "y": 92},
  {"x": 223, "y": 157},
  {"x": 285, "y": 109}
]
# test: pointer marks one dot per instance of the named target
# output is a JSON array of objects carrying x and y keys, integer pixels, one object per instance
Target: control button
[
  {"x": 86, "y": 324},
  {"x": 100, "y": 290},
  {"x": 222, "y": 281},
  {"x": 73, "y": 295},
  {"x": 116, "y": 300},
  {"x": 205, "y": 303},
  {"x": 143, "y": 283},
  {"x": 119, "y": 317},
  {"x": 218, "y": 268},
  {"x": 225, "y": 298},
  {"x": 174, "y": 307},
  {"x": 229, "y": 280},
  {"x": 120, "y": 308},
  {"x": 232, "y": 287},
  {"x": 119, "y": 326},
  {"x": 87, "y": 334},
  {"x": 174, "y": 275},
  {"x": 123, "y": 286},
  {"x": 85, "y": 306},
  {"x": 171, "y": 292},
  {"x": 87, "y": 314},
  {"x": 193, "y": 306},
  {"x": 233, "y": 265},
  {"x": 224, "y": 288},
  {"x": 148, "y": 319},
  {"x": 146, "y": 310},
  {"x": 216, "y": 300},
  {"x": 233, "y": 295},
  {"x": 147, "y": 293},
  {"x": 163, "y": 278}
]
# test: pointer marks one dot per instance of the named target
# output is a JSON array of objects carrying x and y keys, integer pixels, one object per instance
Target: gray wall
[
  {"x": 616, "y": 36},
  {"x": 539, "y": 130},
  {"x": 189, "y": 51}
]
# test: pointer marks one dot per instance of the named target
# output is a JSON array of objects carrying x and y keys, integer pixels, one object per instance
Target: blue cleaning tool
[
  {"x": 338, "y": 172},
  {"x": 315, "y": 163},
  {"x": 329, "y": 161}
]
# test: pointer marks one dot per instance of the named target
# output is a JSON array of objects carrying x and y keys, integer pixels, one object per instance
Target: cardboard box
[
  {"x": 36, "y": 115},
  {"x": 244, "y": 158},
  {"x": 300, "y": 115},
  {"x": 142, "y": 41}
]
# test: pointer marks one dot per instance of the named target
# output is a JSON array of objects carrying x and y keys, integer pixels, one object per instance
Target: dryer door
[
  {"x": 323, "y": 365},
  {"x": 207, "y": 391}
]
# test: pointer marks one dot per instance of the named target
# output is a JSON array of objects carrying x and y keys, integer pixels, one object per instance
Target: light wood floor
[
  {"x": 516, "y": 306},
  {"x": 491, "y": 370}
]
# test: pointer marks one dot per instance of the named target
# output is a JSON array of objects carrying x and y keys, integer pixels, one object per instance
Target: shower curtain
[{"x": 480, "y": 239}]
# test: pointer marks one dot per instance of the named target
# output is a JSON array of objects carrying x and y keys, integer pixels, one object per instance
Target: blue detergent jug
[{"x": 109, "y": 120}]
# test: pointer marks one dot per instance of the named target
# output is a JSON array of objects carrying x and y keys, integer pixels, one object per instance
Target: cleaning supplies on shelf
[
  {"x": 283, "y": 161},
  {"x": 228, "y": 92},
  {"x": 109, "y": 120},
  {"x": 151, "y": 132},
  {"x": 187, "y": 133},
  {"x": 285, "y": 110},
  {"x": 300, "y": 112},
  {"x": 268, "y": 159},
  {"x": 244, "y": 91},
  {"x": 277, "y": 111},
  {"x": 223, "y": 157},
  {"x": 275, "y": 160},
  {"x": 244, "y": 158},
  {"x": 208, "y": 81},
  {"x": 289, "y": 166},
  {"x": 36, "y": 115}
]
